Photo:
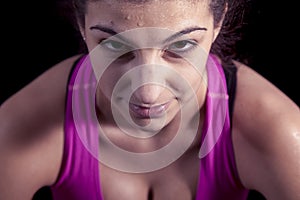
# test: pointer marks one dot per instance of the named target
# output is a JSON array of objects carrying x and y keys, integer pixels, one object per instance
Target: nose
[
  {"x": 148, "y": 82},
  {"x": 147, "y": 94}
]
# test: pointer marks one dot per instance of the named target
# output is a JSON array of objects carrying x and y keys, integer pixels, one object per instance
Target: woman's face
[{"x": 149, "y": 58}]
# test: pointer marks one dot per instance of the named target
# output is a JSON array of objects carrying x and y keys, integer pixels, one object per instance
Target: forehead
[{"x": 171, "y": 14}]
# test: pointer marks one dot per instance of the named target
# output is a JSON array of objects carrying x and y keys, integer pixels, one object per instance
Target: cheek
[
  {"x": 186, "y": 82},
  {"x": 196, "y": 89},
  {"x": 195, "y": 82},
  {"x": 108, "y": 81}
]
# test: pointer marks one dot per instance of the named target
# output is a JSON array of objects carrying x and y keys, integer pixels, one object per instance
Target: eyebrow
[
  {"x": 184, "y": 32},
  {"x": 170, "y": 38},
  {"x": 104, "y": 29},
  {"x": 108, "y": 30}
]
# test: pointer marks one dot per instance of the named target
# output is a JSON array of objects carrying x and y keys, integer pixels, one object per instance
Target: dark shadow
[
  {"x": 254, "y": 195},
  {"x": 43, "y": 194}
]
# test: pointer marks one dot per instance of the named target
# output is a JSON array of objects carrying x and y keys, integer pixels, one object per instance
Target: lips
[{"x": 148, "y": 111}]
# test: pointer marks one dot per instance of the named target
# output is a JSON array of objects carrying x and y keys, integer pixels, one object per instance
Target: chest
[{"x": 176, "y": 181}]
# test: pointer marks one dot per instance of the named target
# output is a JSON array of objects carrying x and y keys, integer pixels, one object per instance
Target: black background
[{"x": 35, "y": 36}]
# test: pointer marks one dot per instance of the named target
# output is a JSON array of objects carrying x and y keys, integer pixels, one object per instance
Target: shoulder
[
  {"x": 42, "y": 97},
  {"x": 31, "y": 131},
  {"x": 266, "y": 136}
]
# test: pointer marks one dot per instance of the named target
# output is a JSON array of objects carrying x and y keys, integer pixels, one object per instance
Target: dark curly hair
[{"x": 225, "y": 44}]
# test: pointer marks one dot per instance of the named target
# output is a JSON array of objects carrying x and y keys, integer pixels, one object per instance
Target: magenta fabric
[
  {"x": 218, "y": 176},
  {"x": 79, "y": 177},
  {"x": 79, "y": 174}
]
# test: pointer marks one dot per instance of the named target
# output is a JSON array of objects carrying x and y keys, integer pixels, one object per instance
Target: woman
[{"x": 157, "y": 109}]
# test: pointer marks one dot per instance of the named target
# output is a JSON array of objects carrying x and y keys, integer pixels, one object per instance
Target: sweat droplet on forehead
[
  {"x": 128, "y": 17},
  {"x": 137, "y": 18},
  {"x": 140, "y": 23}
]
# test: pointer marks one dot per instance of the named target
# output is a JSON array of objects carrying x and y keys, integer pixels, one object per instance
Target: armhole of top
[
  {"x": 72, "y": 70},
  {"x": 231, "y": 79}
]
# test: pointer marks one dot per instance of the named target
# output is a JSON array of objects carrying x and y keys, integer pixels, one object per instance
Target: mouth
[{"x": 148, "y": 111}]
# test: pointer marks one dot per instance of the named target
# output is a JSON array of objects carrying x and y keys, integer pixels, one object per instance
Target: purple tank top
[{"x": 79, "y": 177}]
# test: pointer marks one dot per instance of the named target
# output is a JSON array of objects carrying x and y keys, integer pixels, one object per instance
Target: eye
[
  {"x": 115, "y": 46},
  {"x": 181, "y": 46}
]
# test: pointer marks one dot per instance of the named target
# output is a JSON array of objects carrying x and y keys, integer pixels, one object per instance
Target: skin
[{"x": 266, "y": 123}]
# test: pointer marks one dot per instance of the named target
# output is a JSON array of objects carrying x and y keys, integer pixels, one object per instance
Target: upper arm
[
  {"x": 31, "y": 134},
  {"x": 266, "y": 137}
]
